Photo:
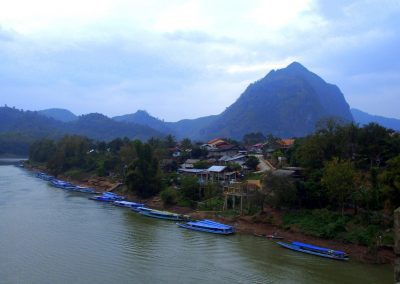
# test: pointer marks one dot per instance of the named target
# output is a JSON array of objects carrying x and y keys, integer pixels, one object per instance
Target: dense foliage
[{"x": 351, "y": 172}]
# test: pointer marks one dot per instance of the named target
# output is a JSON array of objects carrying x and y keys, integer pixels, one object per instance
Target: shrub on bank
[{"x": 169, "y": 196}]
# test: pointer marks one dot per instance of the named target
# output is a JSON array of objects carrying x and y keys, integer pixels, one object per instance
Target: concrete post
[{"x": 396, "y": 216}]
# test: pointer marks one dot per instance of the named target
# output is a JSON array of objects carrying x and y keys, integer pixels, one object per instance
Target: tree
[
  {"x": 186, "y": 144},
  {"x": 169, "y": 196},
  {"x": 252, "y": 162},
  {"x": 144, "y": 176},
  {"x": 169, "y": 141},
  {"x": 201, "y": 165},
  {"x": 390, "y": 179},
  {"x": 190, "y": 188},
  {"x": 253, "y": 138},
  {"x": 279, "y": 191},
  {"x": 338, "y": 178}
]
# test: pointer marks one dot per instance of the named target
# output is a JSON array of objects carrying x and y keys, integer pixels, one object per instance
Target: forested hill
[
  {"x": 18, "y": 129},
  {"x": 142, "y": 117},
  {"x": 287, "y": 102},
  {"x": 60, "y": 114}
]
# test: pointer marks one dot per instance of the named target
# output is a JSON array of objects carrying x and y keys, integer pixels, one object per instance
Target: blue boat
[
  {"x": 208, "y": 226},
  {"x": 84, "y": 189},
  {"x": 314, "y": 250},
  {"x": 160, "y": 214},
  {"x": 62, "y": 184},
  {"x": 107, "y": 197},
  {"x": 44, "y": 176},
  {"x": 127, "y": 204},
  {"x": 141, "y": 208}
]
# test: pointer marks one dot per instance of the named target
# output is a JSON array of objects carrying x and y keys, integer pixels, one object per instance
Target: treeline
[
  {"x": 351, "y": 170},
  {"x": 146, "y": 168}
]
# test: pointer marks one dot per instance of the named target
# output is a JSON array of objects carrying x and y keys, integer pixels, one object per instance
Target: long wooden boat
[
  {"x": 127, "y": 204},
  {"x": 314, "y": 250},
  {"x": 107, "y": 197},
  {"x": 272, "y": 236},
  {"x": 161, "y": 214},
  {"x": 208, "y": 226}
]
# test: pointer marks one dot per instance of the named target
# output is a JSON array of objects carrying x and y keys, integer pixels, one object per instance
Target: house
[
  {"x": 238, "y": 159},
  {"x": 201, "y": 174},
  {"x": 189, "y": 163},
  {"x": 224, "y": 150},
  {"x": 214, "y": 143},
  {"x": 286, "y": 143},
  {"x": 220, "y": 174},
  {"x": 175, "y": 152}
]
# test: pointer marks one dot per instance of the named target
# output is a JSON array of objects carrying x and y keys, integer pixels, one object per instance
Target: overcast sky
[{"x": 185, "y": 59}]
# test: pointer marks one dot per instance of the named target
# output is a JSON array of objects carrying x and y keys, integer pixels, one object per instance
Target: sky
[{"x": 186, "y": 59}]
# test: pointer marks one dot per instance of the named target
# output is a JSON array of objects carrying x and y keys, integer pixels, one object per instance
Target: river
[{"x": 48, "y": 235}]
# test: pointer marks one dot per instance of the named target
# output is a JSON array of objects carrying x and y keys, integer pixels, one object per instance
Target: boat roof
[
  {"x": 210, "y": 224},
  {"x": 317, "y": 248},
  {"x": 126, "y": 202}
]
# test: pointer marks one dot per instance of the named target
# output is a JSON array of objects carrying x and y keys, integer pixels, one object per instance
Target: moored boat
[
  {"x": 107, "y": 197},
  {"x": 44, "y": 176},
  {"x": 62, "y": 184},
  {"x": 314, "y": 250},
  {"x": 127, "y": 204},
  {"x": 160, "y": 214},
  {"x": 208, "y": 226}
]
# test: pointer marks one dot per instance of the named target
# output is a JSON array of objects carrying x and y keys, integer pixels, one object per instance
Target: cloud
[
  {"x": 7, "y": 35},
  {"x": 116, "y": 56},
  {"x": 197, "y": 37}
]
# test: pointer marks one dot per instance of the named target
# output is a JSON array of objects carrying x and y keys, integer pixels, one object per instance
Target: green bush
[
  {"x": 169, "y": 196},
  {"x": 214, "y": 204},
  {"x": 320, "y": 222}
]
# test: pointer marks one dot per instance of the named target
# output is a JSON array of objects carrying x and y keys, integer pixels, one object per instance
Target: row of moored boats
[
  {"x": 119, "y": 200},
  {"x": 184, "y": 220},
  {"x": 64, "y": 184}
]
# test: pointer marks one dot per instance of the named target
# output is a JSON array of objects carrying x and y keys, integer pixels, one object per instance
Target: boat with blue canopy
[
  {"x": 315, "y": 250},
  {"x": 208, "y": 226},
  {"x": 127, "y": 204},
  {"x": 44, "y": 176},
  {"x": 107, "y": 197},
  {"x": 62, "y": 184}
]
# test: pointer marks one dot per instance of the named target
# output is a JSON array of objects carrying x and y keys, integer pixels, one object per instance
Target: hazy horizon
[{"x": 187, "y": 59}]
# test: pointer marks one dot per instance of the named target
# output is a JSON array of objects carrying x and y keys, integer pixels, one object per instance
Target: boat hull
[
  {"x": 205, "y": 230},
  {"x": 163, "y": 217},
  {"x": 296, "y": 248}
]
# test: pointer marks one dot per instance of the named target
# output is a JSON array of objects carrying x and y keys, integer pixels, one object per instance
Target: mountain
[
  {"x": 142, "y": 117},
  {"x": 363, "y": 118},
  {"x": 60, "y": 114},
  {"x": 286, "y": 103}
]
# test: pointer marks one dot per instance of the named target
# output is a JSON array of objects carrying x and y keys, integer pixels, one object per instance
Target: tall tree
[
  {"x": 144, "y": 176},
  {"x": 338, "y": 178}
]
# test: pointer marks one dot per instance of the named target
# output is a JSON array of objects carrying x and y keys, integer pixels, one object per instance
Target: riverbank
[{"x": 252, "y": 225}]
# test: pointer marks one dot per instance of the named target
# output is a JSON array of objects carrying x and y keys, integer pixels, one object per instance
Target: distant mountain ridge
[
  {"x": 287, "y": 102},
  {"x": 24, "y": 127},
  {"x": 363, "y": 118}
]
